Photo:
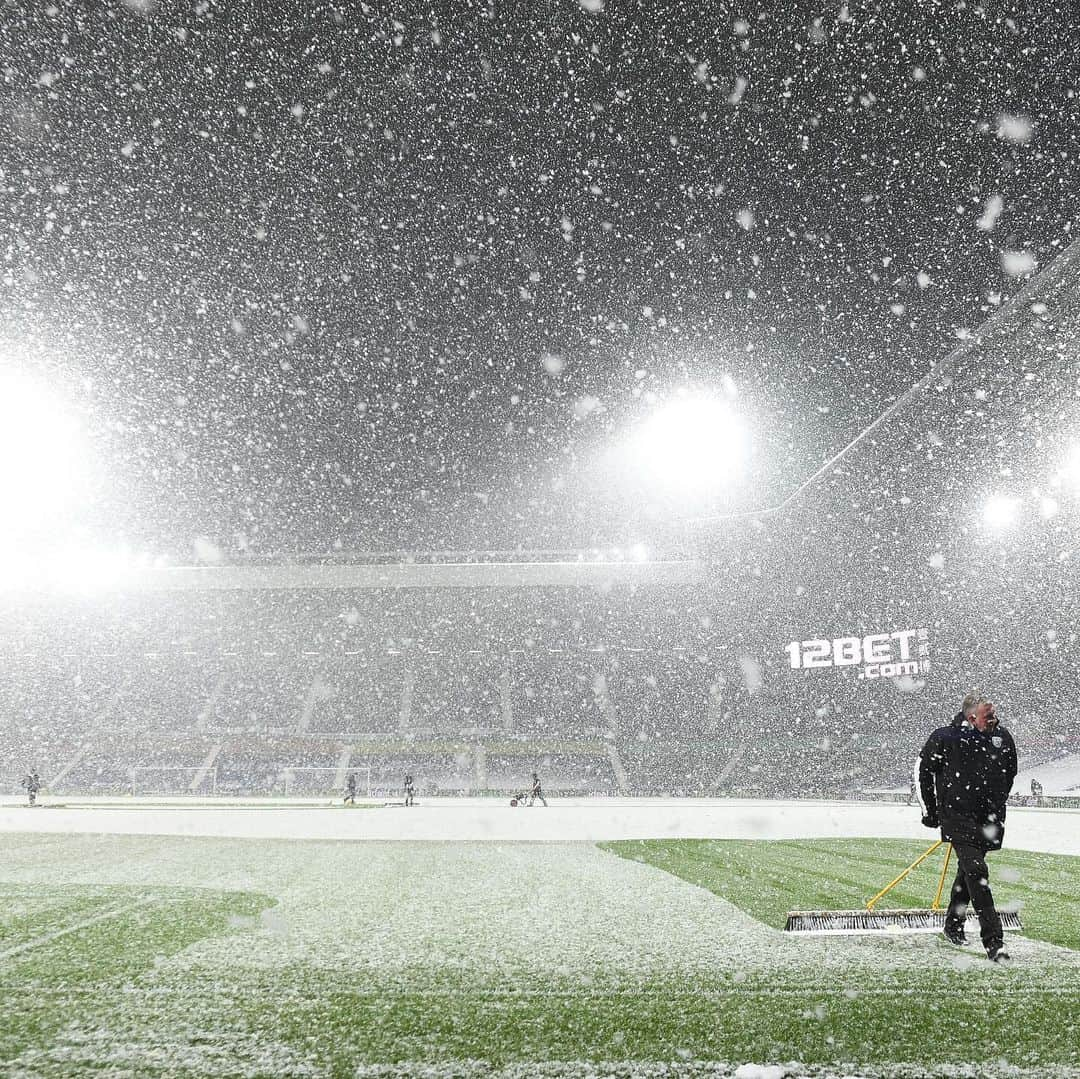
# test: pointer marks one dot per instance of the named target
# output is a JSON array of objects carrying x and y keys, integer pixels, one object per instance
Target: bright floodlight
[
  {"x": 91, "y": 569},
  {"x": 691, "y": 445},
  {"x": 1000, "y": 512},
  {"x": 40, "y": 457},
  {"x": 72, "y": 568}
]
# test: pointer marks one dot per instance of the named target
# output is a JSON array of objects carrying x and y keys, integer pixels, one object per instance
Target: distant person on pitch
[
  {"x": 536, "y": 792},
  {"x": 1036, "y": 792},
  {"x": 966, "y": 772},
  {"x": 408, "y": 789},
  {"x": 350, "y": 790},
  {"x": 32, "y": 784}
]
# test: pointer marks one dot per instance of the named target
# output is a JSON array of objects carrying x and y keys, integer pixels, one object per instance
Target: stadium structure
[
  {"x": 801, "y": 650},
  {"x": 496, "y": 498}
]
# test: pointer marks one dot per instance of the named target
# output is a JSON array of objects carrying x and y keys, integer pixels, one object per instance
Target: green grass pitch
[{"x": 170, "y": 957}]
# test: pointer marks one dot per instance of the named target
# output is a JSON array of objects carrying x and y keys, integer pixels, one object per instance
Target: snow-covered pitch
[
  {"x": 1055, "y": 831},
  {"x": 466, "y": 938}
]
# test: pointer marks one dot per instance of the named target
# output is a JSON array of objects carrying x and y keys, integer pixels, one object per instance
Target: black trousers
[{"x": 972, "y": 885}]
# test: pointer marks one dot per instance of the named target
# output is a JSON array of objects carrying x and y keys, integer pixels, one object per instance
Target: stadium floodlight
[
  {"x": 89, "y": 570},
  {"x": 691, "y": 446},
  {"x": 85, "y": 570},
  {"x": 93, "y": 569},
  {"x": 41, "y": 457},
  {"x": 1000, "y": 512}
]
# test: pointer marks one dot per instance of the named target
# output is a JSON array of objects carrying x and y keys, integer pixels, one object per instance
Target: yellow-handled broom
[{"x": 910, "y": 920}]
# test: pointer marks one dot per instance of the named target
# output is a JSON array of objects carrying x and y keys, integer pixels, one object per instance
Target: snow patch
[
  {"x": 206, "y": 550},
  {"x": 1014, "y": 128},
  {"x": 751, "y": 673},
  {"x": 745, "y": 218},
  {"x": 552, "y": 364},
  {"x": 1018, "y": 263},
  {"x": 991, "y": 212},
  {"x": 760, "y": 1071}
]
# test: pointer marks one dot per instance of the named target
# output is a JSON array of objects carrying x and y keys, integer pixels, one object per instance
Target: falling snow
[{"x": 668, "y": 401}]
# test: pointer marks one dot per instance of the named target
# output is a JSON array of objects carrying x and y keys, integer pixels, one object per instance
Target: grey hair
[{"x": 970, "y": 704}]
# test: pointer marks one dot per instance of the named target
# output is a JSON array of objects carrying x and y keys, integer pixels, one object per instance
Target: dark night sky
[{"x": 298, "y": 266}]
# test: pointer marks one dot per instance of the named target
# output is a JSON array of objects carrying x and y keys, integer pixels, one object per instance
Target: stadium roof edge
[
  {"x": 577, "y": 574},
  {"x": 1045, "y": 287}
]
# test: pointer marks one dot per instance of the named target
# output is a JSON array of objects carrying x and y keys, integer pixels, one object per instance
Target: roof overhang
[{"x": 433, "y": 575}]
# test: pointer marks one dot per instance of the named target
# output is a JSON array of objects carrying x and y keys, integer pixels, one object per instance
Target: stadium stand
[{"x": 602, "y": 693}]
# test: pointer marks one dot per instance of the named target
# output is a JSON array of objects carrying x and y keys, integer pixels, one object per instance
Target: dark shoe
[
  {"x": 955, "y": 936},
  {"x": 996, "y": 953}
]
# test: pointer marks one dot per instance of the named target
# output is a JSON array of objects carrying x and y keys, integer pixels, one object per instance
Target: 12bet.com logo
[{"x": 880, "y": 655}]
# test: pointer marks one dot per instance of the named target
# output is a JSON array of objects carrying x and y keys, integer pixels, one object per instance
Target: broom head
[{"x": 911, "y": 920}]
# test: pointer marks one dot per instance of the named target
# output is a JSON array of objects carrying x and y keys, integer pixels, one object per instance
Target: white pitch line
[{"x": 48, "y": 938}]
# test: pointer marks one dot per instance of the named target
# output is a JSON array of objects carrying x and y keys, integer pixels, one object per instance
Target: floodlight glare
[
  {"x": 1000, "y": 512},
  {"x": 40, "y": 457},
  {"x": 89, "y": 570},
  {"x": 78, "y": 570},
  {"x": 692, "y": 446}
]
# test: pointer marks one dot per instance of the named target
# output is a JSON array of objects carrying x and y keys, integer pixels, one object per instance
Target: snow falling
[{"x": 566, "y": 401}]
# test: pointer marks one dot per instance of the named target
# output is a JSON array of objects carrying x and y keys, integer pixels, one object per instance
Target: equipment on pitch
[{"x": 910, "y": 920}]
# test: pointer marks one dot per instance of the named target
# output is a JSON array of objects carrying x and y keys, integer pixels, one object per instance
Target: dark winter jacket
[{"x": 965, "y": 776}]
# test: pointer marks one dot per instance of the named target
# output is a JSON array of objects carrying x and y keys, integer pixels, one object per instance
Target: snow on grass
[
  {"x": 422, "y": 958},
  {"x": 496, "y": 912},
  {"x": 769, "y": 879},
  {"x": 24, "y": 907},
  {"x": 174, "y": 1051},
  {"x": 693, "y": 1069}
]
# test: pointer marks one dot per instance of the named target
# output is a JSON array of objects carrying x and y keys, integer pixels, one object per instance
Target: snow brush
[{"x": 908, "y": 920}]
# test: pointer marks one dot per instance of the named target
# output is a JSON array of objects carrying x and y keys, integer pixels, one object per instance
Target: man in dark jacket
[{"x": 966, "y": 772}]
